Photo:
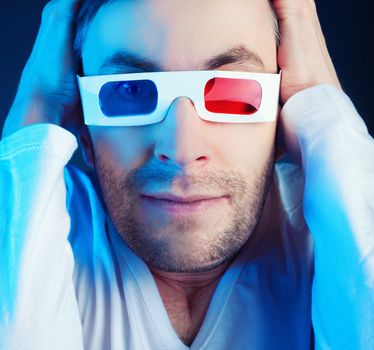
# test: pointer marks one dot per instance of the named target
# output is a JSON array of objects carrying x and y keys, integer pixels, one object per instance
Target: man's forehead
[
  {"x": 239, "y": 56},
  {"x": 179, "y": 35}
]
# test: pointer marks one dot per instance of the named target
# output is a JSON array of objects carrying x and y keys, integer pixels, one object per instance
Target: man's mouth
[{"x": 181, "y": 205}]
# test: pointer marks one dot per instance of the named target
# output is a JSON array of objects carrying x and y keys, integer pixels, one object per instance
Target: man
[{"x": 190, "y": 238}]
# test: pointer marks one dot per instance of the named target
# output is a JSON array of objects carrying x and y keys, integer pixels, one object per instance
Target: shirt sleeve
[
  {"x": 338, "y": 162},
  {"x": 38, "y": 307}
]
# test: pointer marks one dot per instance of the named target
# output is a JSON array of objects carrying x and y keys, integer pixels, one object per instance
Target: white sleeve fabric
[
  {"x": 38, "y": 306},
  {"x": 338, "y": 161}
]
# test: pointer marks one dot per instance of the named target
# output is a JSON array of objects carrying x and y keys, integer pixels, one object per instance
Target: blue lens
[{"x": 128, "y": 98}]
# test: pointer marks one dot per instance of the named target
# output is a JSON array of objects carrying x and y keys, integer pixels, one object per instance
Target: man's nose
[{"x": 180, "y": 136}]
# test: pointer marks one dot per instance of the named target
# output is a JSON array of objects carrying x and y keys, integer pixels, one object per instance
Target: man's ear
[{"x": 87, "y": 147}]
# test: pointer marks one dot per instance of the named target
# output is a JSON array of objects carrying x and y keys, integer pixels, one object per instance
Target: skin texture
[{"x": 183, "y": 153}]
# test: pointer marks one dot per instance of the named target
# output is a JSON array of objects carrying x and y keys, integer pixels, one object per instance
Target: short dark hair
[{"x": 89, "y": 9}]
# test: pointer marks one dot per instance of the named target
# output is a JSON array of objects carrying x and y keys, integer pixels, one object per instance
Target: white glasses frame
[{"x": 171, "y": 85}]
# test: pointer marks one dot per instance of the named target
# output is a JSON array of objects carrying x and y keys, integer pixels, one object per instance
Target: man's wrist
[
  {"x": 311, "y": 113},
  {"x": 31, "y": 111},
  {"x": 289, "y": 92}
]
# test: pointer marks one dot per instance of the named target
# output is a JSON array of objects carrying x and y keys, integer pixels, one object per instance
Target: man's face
[{"x": 183, "y": 155}]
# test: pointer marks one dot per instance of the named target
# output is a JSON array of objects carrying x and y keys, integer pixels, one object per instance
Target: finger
[
  {"x": 66, "y": 9},
  {"x": 299, "y": 21},
  {"x": 55, "y": 36},
  {"x": 289, "y": 9}
]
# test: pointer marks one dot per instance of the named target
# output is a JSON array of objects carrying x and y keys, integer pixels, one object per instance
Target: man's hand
[
  {"x": 302, "y": 55},
  {"x": 304, "y": 60},
  {"x": 48, "y": 91}
]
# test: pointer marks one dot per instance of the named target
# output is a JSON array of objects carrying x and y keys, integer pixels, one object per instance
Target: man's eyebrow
[
  {"x": 238, "y": 54},
  {"x": 126, "y": 61}
]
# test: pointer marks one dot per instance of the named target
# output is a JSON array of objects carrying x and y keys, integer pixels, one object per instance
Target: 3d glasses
[{"x": 144, "y": 98}]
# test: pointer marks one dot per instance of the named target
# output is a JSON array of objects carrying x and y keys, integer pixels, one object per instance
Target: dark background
[{"x": 346, "y": 24}]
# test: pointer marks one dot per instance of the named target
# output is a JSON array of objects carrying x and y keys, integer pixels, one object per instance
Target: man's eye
[{"x": 129, "y": 89}]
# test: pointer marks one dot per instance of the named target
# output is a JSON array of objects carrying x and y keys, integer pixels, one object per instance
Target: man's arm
[
  {"x": 38, "y": 307},
  {"x": 338, "y": 161},
  {"x": 321, "y": 130}
]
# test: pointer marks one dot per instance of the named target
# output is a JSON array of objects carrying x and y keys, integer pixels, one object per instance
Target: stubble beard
[{"x": 171, "y": 248}]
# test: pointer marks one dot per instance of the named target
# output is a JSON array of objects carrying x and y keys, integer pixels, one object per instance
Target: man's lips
[
  {"x": 183, "y": 199},
  {"x": 179, "y": 205}
]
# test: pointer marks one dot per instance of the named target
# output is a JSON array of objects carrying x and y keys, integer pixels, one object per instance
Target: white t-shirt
[{"x": 68, "y": 281}]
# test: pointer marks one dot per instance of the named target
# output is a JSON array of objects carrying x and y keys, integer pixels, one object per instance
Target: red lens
[{"x": 232, "y": 96}]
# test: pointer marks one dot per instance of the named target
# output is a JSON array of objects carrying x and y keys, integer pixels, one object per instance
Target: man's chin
[
  {"x": 187, "y": 263},
  {"x": 186, "y": 247}
]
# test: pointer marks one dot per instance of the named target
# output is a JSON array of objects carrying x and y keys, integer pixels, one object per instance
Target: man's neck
[
  {"x": 186, "y": 297},
  {"x": 187, "y": 284}
]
